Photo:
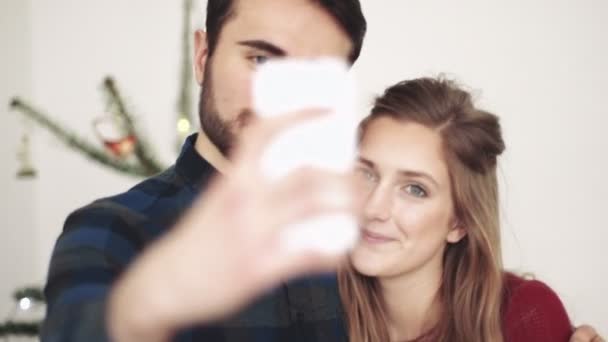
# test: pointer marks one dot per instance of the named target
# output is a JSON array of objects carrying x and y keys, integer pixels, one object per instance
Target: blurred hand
[
  {"x": 226, "y": 250},
  {"x": 586, "y": 333}
]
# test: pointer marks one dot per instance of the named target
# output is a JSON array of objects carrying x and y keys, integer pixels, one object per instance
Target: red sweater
[{"x": 533, "y": 313}]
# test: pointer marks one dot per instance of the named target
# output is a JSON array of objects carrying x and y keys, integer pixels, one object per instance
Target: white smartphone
[{"x": 290, "y": 85}]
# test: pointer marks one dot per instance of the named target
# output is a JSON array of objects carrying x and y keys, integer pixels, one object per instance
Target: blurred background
[{"x": 541, "y": 66}]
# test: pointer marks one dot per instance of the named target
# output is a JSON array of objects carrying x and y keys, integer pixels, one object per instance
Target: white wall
[
  {"x": 539, "y": 65},
  {"x": 18, "y": 242}
]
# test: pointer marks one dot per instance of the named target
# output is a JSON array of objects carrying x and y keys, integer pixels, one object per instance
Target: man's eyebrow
[{"x": 264, "y": 46}]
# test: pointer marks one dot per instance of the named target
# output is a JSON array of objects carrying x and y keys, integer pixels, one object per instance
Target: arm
[{"x": 219, "y": 256}]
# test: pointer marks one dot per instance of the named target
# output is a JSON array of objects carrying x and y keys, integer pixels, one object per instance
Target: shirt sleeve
[
  {"x": 97, "y": 244},
  {"x": 535, "y": 313}
]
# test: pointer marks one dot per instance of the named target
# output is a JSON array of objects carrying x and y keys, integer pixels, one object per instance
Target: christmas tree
[
  {"x": 122, "y": 147},
  {"x": 26, "y": 317},
  {"x": 126, "y": 149}
]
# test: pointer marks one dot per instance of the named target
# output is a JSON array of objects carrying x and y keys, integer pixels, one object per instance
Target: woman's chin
[{"x": 367, "y": 265}]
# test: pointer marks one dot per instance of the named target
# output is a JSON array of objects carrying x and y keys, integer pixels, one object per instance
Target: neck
[
  {"x": 412, "y": 302},
  {"x": 211, "y": 153}
]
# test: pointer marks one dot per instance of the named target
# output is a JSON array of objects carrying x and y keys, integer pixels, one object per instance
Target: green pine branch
[
  {"x": 145, "y": 164},
  {"x": 142, "y": 149},
  {"x": 185, "y": 95},
  {"x": 20, "y": 329},
  {"x": 184, "y": 103},
  {"x": 30, "y": 329},
  {"x": 33, "y": 293},
  {"x": 77, "y": 143}
]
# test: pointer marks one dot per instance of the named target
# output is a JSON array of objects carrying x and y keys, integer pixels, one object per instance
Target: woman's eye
[{"x": 415, "y": 190}]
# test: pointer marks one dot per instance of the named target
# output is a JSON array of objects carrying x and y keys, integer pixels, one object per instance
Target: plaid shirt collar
[{"x": 192, "y": 167}]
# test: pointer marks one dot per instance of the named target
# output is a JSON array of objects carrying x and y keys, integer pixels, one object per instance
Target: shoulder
[
  {"x": 125, "y": 223},
  {"x": 167, "y": 188},
  {"x": 164, "y": 193},
  {"x": 531, "y": 291},
  {"x": 533, "y": 311},
  {"x": 99, "y": 240}
]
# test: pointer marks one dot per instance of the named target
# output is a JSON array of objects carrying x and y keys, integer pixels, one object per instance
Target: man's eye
[
  {"x": 259, "y": 60},
  {"x": 415, "y": 190}
]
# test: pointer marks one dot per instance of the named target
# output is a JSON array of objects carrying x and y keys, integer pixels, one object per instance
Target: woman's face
[{"x": 407, "y": 210}]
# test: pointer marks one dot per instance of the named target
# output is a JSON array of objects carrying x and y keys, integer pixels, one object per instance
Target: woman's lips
[{"x": 375, "y": 238}]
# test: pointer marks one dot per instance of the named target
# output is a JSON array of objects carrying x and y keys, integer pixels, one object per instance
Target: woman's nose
[{"x": 377, "y": 205}]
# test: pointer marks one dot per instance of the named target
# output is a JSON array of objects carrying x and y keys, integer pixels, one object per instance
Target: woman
[{"x": 428, "y": 266}]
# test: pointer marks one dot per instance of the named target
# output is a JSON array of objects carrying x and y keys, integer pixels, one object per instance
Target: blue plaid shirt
[{"x": 100, "y": 240}]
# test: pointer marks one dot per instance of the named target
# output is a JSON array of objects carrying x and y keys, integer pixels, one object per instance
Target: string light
[
  {"x": 183, "y": 126},
  {"x": 25, "y": 304}
]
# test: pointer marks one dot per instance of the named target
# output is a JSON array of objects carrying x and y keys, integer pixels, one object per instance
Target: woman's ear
[{"x": 456, "y": 233}]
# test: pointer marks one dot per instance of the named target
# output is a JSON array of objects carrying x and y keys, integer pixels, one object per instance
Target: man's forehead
[
  {"x": 272, "y": 5},
  {"x": 301, "y": 27}
]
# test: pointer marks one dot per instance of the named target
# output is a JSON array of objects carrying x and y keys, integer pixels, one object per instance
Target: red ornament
[
  {"x": 121, "y": 148},
  {"x": 109, "y": 131}
]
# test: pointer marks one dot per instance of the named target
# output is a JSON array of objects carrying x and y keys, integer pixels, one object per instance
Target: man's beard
[{"x": 222, "y": 133}]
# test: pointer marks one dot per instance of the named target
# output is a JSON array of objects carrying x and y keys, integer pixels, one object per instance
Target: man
[
  {"x": 138, "y": 267},
  {"x": 150, "y": 264}
]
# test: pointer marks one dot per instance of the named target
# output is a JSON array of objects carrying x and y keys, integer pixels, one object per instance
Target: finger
[
  {"x": 585, "y": 333},
  {"x": 307, "y": 193},
  {"x": 256, "y": 137}
]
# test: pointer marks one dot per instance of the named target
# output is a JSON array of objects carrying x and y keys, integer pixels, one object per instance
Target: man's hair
[{"x": 346, "y": 12}]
